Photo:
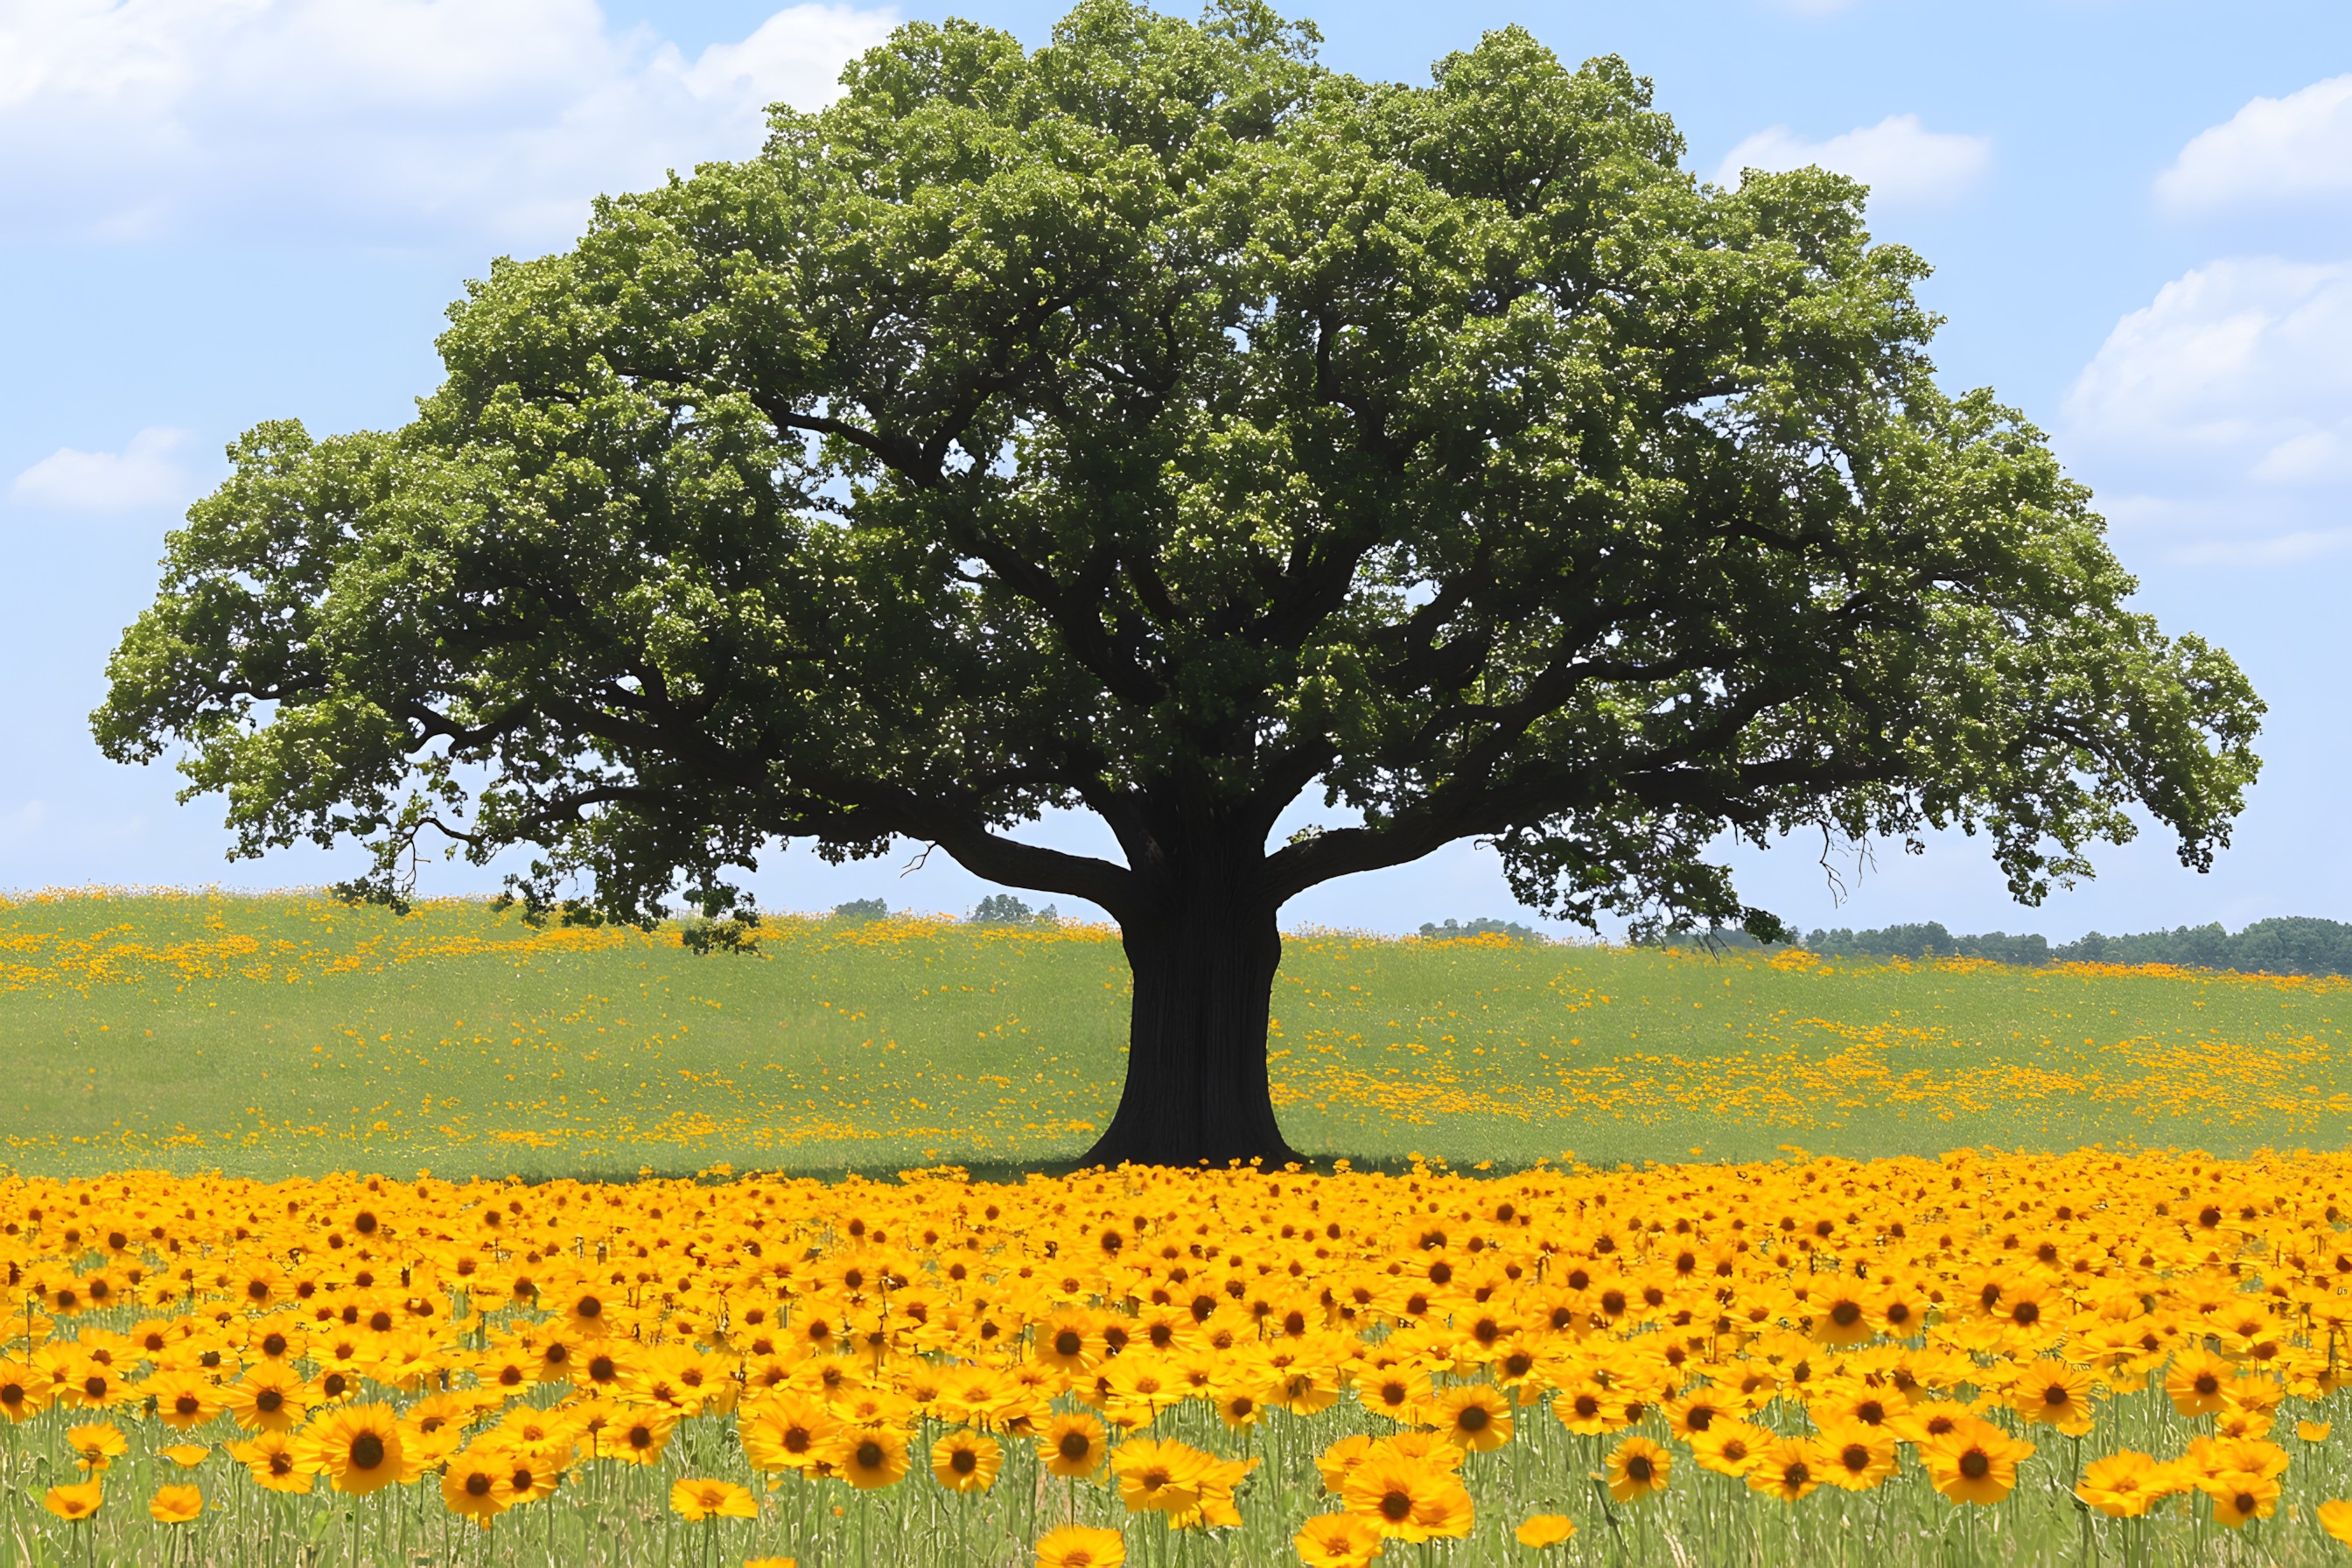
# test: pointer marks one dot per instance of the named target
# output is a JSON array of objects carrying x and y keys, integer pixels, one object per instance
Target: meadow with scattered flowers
[
  {"x": 1753, "y": 1299},
  {"x": 270, "y": 1035}
]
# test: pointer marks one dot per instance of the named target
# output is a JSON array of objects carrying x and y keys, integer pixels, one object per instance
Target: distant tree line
[
  {"x": 995, "y": 909},
  {"x": 2289, "y": 945},
  {"x": 2293, "y": 944}
]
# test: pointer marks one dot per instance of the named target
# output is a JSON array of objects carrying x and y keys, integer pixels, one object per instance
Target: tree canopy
[{"x": 1161, "y": 424}]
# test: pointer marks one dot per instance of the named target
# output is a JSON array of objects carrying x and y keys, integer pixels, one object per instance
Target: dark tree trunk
[{"x": 1196, "y": 1087}]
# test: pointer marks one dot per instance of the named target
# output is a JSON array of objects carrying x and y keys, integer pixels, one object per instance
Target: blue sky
[{"x": 2140, "y": 213}]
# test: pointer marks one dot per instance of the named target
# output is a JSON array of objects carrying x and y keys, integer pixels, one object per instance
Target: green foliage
[
  {"x": 862, "y": 912},
  {"x": 1717, "y": 938},
  {"x": 2292, "y": 945},
  {"x": 1004, "y": 909},
  {"x": 1001, "y": 909},
  {"x": 1485, "y": 925},
  {"x": 1930, "y": 938},
  {"x": 1161, "y": 423}
]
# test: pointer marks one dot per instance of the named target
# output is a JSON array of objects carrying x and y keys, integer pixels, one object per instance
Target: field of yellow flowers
[
  {"x": 2077, "y": 1358},
  {"x": 1689, "y": 1342}
]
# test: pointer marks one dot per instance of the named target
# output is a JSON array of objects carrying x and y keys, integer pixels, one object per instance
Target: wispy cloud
[
  {"x": 400, "y": 118},
  {"x": 2248, "y": 359},
  {"x": 2279, "y": 549},
  {"x": 2275, "y": 151},
  {"x": 2231, "y": 391},
  {"x": 143, "y": 474},
  {"x": 1902, "y": 162},
  {"x": 2226, "y": 401}
]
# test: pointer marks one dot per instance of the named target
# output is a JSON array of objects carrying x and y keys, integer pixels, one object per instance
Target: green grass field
[{"x": 287, "y": 1035}]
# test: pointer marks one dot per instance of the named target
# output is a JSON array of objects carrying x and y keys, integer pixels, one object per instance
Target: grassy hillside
[{"x": 281, "y": 1035}]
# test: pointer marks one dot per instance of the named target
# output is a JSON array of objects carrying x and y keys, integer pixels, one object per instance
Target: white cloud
[
  {"x": 396, "y": 120},
  {"x": 2292, "y": 149},
  {"x": 1902, "y": 162},
  {"x": 2315, "y": 455},
  {"x": 2279, "y": 549},
  {"x": 2247, "y": 359},
  {"x": 2213, "y": 520},
  {"x": 143, "y": 474},
  {"x": 2226, "y": 403}
]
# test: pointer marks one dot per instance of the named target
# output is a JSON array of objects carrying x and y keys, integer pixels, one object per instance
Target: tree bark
[{"x": 1196, "y": 1085}]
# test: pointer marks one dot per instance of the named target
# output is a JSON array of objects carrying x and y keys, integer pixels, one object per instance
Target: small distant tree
[
  {"x": 1001, "y": 909},
  {"x": 1162, "y": 425},
  {"x": 1913, "y": 940},
  {"x": 1485, "y": 925},
  {"x": 2294, "y": 945},
  {"x": 2024, "y": 950},
  {"x": 860, "y": 911}
]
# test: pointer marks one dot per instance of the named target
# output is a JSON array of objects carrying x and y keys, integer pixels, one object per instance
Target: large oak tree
[{"x": 1161, "y": 425}]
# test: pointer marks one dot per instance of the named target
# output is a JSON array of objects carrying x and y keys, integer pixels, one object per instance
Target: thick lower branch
[{"x": 997, "y": 858}]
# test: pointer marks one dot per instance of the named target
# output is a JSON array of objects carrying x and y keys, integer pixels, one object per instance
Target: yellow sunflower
[
  {"x": 183, "y": 1400},
  {"x": 1975, "y": 1462},
  {"x": 275, "y": 1462},
  {"x": 473, "y": 1484},
  {"x": 2052, "y": 1393},
  {"x": 1081, "y": 1546},
  {"x": 359, "y": 1449},
  {"x": 75, "y": 1503},
  {"x": 2197, "y": 1382},
  {"x": 530, "y": 1476},
  {"x": 1789, "y": 1470},
  {"x": 870, "y": 1459},
  {"x": 1336, "y": 1540},
  {"x": 96, "y": 1445},
  {"x": 699, "y": 1500},
  {"x": 1542, "y": 1529},
  {"x": 1729, "y": 1446},
  {"x": 2122, "y": 1485},
  {"x": 2239, "y": 1497},
  {"x": 1162, "y": 1476},
  {"x": 22, "y": 1395},
  {"x": 639, "y": 1436},
  {"x": 1472, "y": 1415},
  {"x": 1403, "y": 1500},
  {"x": 1067, "y": 1341},
  {"x": 1073, "y": 1446},
  {"x": 1638, "y": 1468},
  {"x": 966, "y": 1461},
  {"x": 789, "y": 1432},
  {"x": 1857, "y": 1456}
]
